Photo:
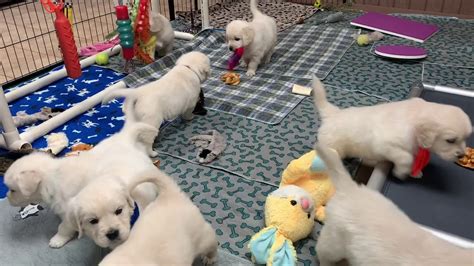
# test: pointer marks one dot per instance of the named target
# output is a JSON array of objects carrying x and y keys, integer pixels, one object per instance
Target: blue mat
[{"x": 90, "y": 127}]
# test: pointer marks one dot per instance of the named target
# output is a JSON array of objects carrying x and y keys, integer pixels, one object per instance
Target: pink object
[
  {"x": 305, "y": 203},
  {"x": 99, "y": 47},
  {"x": 396, "y": 26},
  {"x": 401, "y": 51},
  {"x": 234, "y": 60}
]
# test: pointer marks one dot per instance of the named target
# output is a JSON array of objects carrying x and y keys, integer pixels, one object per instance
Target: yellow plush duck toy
[
  {"x": 291, "y": 209},
  {"x": 308, "y": 173}
]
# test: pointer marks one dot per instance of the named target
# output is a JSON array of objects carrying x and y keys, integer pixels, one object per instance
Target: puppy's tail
[
  {"x": 254, "y": 9},
  {"x": 129, "y": 104},
  {"x": 336, "y": 170},
  {"x": 321, "y": 102},
  {"x": 164, "y": 183}
]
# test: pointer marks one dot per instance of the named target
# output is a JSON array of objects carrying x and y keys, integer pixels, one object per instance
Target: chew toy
[
  {"x": 65, "y": 38},
  {"x": 365, "y": 39},
  {"x": 235, "y": 58},
  {"x": 142, "y": 33},
  {"x": 125, "y": 31},
  {"x": 421, "y": 160}
]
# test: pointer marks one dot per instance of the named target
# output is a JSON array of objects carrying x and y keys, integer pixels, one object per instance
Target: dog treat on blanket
[
  {"x": 76, "y": 149},
  {"x": 468, "y": 159},
  {"x": 231, "y": 78},
  {"x": 210, "y": 145}
]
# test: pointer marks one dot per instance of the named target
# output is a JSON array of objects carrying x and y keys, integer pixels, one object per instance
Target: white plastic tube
[
  {"x": 183, "y": 35},
  {"x": 447, "y": 89},
  {"x": 379, "y": 175},
  {"x": 54, "y": 76},
  {"x": 10, "y": 135},
  {"x": 205, "y": 14},
  {"x": 49, "y": 125}
]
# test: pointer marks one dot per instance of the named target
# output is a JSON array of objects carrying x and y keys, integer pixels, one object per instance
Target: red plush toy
[{"x": 234, "y": 60}]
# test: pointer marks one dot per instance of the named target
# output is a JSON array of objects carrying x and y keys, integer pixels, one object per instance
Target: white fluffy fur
[
  {"x": 392, "y": 131},
  {"x": 258, "y": 38},
  {"x": 365, "y": 228},
  {"x": 160, "y": 26},
  {"x": 171, "y": 231},
  {"x": 41, "y": 178},
  {"x": 176, "y": 93}
]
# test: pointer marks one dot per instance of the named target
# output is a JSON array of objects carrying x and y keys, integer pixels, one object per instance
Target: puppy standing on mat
[
  {"x": 176, "y": 93},
  {"x": 365, "y": 228},
  {"x": 393, "y": 132},
  {"x": 258, "y": 38}
]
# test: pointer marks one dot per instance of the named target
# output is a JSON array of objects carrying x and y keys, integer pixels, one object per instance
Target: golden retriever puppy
[
  {"x": 392, "y": 131},
  {"x": 39, "y": 177},
  {"x": 160, "y": 26},
  {"x": 258, "y": 38},
  {"x": 171, "y": 231},
  {"x": 175, "y": 94},
  {"x": 365, "y": 228}
]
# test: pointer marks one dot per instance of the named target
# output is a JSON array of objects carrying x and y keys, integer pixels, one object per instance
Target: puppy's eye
[
  {"x": 118, "y": 211},
  {"x": 309, "y": 215},
  {"x": 293, "y": 202},
  {"x": 237, "y": 39},
  {"x": 453, "y": 140},
  {"x": 94, "y": 221},
  {"x": 12, "y": 190}
]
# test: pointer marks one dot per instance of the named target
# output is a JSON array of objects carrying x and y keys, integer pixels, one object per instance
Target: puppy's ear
[
  {"x": 248, "y": 35},
  {"x": 425, "y": 134},
  {"x": 28, "y": 182},
  {"x": 74, "y": 216}
]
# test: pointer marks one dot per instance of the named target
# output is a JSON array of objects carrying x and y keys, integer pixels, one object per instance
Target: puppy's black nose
[
  {"x": 112, "y": 234},
  {"x": 460, "y": 156},
  {"x": 231, "y": 49}
]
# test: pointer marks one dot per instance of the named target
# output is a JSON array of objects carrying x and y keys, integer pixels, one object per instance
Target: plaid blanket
[{"x": 302, "y": 51}]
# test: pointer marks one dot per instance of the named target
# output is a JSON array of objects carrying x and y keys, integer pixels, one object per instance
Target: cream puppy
[
  {"x": 176, "y": 93},
  {"x": 160, "y": 26},
  {"x": 171, "y": 231},
  {"x": 39, "y": 177},
  {"x": 392, "y": 131},
  {"x": 104, "y": 214},
  {"x": 365, "y": 228},
  {"x": 258, "y": 38}
]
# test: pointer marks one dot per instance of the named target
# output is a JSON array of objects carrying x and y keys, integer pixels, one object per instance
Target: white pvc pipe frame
[{"x": 12, "y": 140}]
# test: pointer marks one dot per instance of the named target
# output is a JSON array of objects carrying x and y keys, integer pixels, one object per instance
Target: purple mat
[
  {"x": 396, "y": 26},
  {"x": 401, "y": 51}
]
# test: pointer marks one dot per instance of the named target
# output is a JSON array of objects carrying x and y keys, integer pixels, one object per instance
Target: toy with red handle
[{"x": 65, "y": 38}]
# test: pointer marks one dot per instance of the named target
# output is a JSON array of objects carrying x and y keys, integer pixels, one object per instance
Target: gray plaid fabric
[{"x": 303, "y": 50}]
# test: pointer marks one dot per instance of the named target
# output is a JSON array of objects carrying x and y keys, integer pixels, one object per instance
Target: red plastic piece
[
  {"x": 142, "y": 31},
  {"x": 421, "y": 161},
  {"x": 121, "y": 12},
  {"x": 128, "y": 53},
  {"x": 235, "y": 58},
  {"x": 65, "y": 38}
]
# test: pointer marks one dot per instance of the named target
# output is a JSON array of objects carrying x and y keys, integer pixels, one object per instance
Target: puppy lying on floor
[
  {"x": 365, "y": 228},
  {"x": 258, "y": 38},
  {"x": 176, "y": 93},
  {"x": 160, "y": 26},
  {"x": 171, "y": 231},
  {"x": 39, "y": 177},
  {"x": 392, "y": 131}
]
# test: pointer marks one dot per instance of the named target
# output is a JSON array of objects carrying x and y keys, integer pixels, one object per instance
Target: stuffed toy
[
  {"x": 210, "y": 145},
  {"x": 308, "y": 172},
  {"x": 24, "y": 119},
  {"x": 290, "y": 211},
  {"x": 289, "y": 217}
]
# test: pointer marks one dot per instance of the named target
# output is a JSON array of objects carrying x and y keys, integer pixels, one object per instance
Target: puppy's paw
[
  {"x": 209, "y": 259},
  {"x": 58, "y": 241},
  {"x": 250, "y": 73},
  {"x": 243, "y": 64},
  {"x": 418, "y": 176},
  {"x": 153, "y": 153}
]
